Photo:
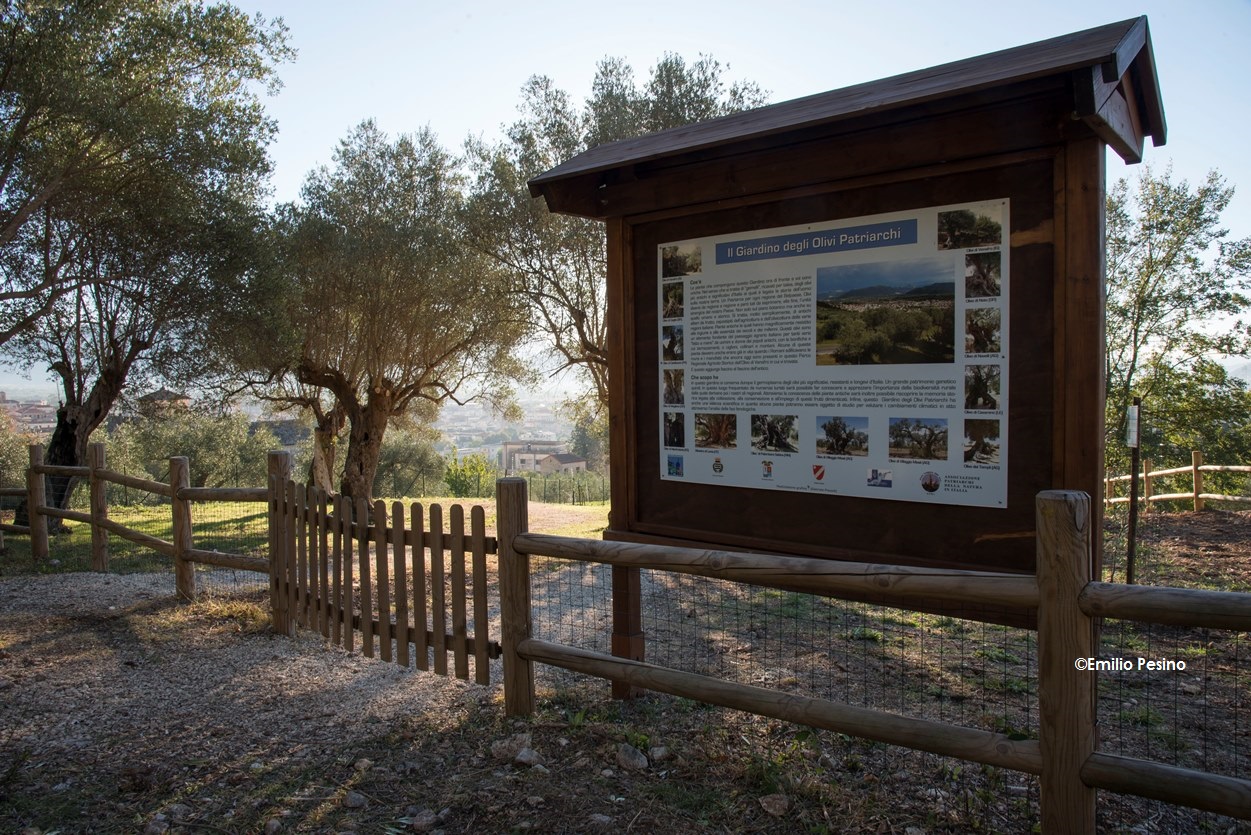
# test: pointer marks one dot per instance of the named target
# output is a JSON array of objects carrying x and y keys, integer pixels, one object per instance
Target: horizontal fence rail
[
  {"x": 1065, "y": 755},
  {"x": 178, "y": 490},
  {"x": 1197, "y": 496},
  {"x": 803, "y": 574}
]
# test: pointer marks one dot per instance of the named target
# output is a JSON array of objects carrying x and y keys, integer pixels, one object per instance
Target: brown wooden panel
[{"x": 851, "y": 527}]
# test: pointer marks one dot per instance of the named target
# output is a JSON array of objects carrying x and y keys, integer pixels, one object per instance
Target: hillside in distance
[{"x": 882, "y": 292}]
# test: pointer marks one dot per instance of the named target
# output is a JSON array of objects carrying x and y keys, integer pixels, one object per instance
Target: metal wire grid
[
  {"x": 1197, "y": 718},
  {"x": 958, "y": 671}
]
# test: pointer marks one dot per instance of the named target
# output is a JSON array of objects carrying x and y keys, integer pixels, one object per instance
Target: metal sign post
[{"x": 1133, "y": 434}]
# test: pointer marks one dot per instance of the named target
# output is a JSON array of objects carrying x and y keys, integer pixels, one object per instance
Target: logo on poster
[
  {"x": 766, "y": 469},
  {"x": 717, "y": 466},
  {"x": 818, "y": 472}
]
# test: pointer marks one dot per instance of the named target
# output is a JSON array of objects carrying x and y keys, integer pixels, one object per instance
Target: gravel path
[{"x": 105, "y": 680}]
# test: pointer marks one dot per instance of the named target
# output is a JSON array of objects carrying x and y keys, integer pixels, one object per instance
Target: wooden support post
[
  {"x": 184, "y": 569},
  {"x": 1066, "y": 695},
  {"x": 512, "y": 518},
  {"x": 627, "y": 623},
  {"x": 1146, "y": 484},
  {"x": 279, "y": 465},
  {"x": 99, "y": 509},
  {"x": 36, "y": 498},
  {"x": 1196, "y": 461}
]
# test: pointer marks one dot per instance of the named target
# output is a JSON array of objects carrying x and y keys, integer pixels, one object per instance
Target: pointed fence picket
[{"x": 340, "y": 569}]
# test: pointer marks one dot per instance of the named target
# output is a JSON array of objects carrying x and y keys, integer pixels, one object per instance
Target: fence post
[
  {"x": 184, "y": 569},
  {"x": 1066, "y": 695},
  {"x": 1196, "y": 461},
  {"x": 1146, "y": 484},
  {"x": 36, "y": 498},
  {"x": 512, "y": 518},
  {"x": 279, "y": 466},
  {"x": 99, "y": 508}
]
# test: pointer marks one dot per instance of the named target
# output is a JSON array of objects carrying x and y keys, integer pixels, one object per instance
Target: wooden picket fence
[{"x": 406, "y": 585}]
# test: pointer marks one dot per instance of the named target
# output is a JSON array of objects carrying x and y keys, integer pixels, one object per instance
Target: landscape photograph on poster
[
  {"x": 775, "y": 433},
  {"x": 681, "y": 259},
  {"x": 675, "y": 429},
  {"x": 981, "y": 441},
  {"x": 672, "y": 305},
  {"x": 716, "y": 430},
  {"x": 970, "y": 228},
  {"x": 981, "y": 387},
  {"x": 919, "y": 438},
  {"x": 982, "y": 275},
  {"x": 886, "y": 312},
  {"x": 982, "y": 331},
  {"x": 842, "y": 435},
  {"x": 671, "y": 343},
  {"x": 675, "y": 393}
]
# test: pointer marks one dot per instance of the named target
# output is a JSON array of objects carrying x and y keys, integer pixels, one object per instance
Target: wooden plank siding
[{"x": 343, "y": 569}]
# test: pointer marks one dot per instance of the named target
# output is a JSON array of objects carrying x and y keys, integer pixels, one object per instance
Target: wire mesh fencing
[
  {"x": 913, "y": 664},
  {"x": 230, "y": 527},
  {"x": 1186, "y": 703}
]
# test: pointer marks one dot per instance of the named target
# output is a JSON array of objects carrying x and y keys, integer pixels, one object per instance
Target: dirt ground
[
  {"x": 122, "y": 711},
  {"x": 1204, "y": 549}
]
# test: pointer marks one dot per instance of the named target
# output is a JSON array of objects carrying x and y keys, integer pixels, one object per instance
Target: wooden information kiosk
[{"x": 866, "y": 324}]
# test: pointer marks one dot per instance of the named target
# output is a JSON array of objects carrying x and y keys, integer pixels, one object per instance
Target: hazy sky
[{"x": 460, "y": 68}]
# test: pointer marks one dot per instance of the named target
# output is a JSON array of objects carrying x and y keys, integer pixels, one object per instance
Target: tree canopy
[
  {"x": 557, "y": 262},
  {"x": 1177, "y": 289},
  {"x": 102, "y": 101},
  {"x": 386, "y": 308},
  {"x": 134, "y": 162}
]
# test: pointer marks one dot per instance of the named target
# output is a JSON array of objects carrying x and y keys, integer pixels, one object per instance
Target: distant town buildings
[
  {"x": 563, "y": 463},
  {"x": 162, "y": 402},
  {"x": 30, "y": 417}
]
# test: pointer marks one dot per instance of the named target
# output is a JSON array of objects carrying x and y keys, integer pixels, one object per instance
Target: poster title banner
[{"x": 868, "y": 236}]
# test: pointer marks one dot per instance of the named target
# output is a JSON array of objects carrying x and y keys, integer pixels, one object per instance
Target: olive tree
[
  {"x": 390, "y": 312},
  {"x": 1177, "y": 289},
  {"x": 556, "y": 262},
  {"x": 99, "y": 101},
  {"x": 135, "y": 163}
]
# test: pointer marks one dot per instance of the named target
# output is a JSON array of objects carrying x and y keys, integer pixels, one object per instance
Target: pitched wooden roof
[{"x": 1116, "y": 91}]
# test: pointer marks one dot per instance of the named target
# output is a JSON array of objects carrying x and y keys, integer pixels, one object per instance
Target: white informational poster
[{"x": 860, "y": 357}]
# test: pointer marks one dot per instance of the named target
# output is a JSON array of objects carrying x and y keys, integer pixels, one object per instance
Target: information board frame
[
  {"x": 1029, "y": 125},
  {"x": 659, "y": 509}
]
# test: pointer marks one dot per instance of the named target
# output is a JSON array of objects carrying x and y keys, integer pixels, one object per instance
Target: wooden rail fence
[
  {"x": 1197, "y": 496},
  {"x": 179, "y": 491},
  {"x": 406, "y": 584},
  {"x": 1067, "y": 601},
  {"x": 409, "y": 587}
]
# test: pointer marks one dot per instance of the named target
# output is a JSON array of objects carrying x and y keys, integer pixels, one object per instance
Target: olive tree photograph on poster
[{"x": 886, "y": 313}]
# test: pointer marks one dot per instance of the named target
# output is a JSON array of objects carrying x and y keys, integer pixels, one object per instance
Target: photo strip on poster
[{"x": 861, "y": 357}]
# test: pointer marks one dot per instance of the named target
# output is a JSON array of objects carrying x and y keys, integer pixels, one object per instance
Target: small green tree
[
  {"x": 1177, "y": 287},
  {"x": 223, "y": 450},
  {"x": 409, "y": 465},
  {"x": 14, "y": 452},
  {"x": 470, "y": 475},
  {"x": 589, "y": 437}
]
